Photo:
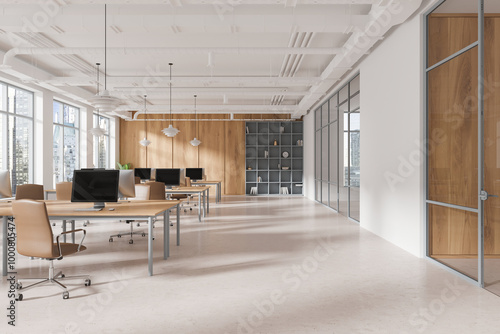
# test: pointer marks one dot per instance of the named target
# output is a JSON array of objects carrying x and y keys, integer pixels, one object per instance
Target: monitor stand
[{"x": 98, "y": 206}]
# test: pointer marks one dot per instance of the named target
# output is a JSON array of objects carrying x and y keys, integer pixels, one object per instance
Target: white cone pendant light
[
  {"x": 195, "y": 142},
  {"x": 97, "y": 130},
  {"x": 145, "y": 142},
  {"x": 170, "y": 131}
]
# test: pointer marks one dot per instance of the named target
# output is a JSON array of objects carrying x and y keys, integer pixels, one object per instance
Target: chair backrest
[
  {"x": 63, "y": 191},
  {"x": 188, "y": 181},
  {"x": 142, "y": 192},
  {"x": 34, "y": 233},
  {"x": 137, "y": 180},
  {"x": 29, "y": 191},
  {"x": 157, "y": 191}
]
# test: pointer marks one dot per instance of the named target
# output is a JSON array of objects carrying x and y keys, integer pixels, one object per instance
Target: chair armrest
[{"x": 67, "y": 232}]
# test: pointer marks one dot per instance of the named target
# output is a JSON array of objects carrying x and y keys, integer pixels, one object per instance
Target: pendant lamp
[
  {"x": 195, "y": 142},
  {"x": 145, "y": 142},
  {"x": 170, "y": 131},
  {"x": 97, "y": 130}
]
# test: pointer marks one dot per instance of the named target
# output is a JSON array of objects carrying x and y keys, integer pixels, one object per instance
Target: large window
[
  {"x": 66, "y": 141},
  {"x": 337, "y": 172},
  {"x": 16, "y": 133},
  {"x": 101, "y": 143}
]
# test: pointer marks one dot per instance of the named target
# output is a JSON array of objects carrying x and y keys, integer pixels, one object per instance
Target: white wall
[
  {"x": 309, "y": 156},
  {"x": 391, "y": 133}
]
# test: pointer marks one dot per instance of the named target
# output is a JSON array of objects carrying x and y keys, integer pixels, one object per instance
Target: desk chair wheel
[
  {"x": 19, "y": 286},
  {"x": 65, "y": 295},
  {"x": 119, "y": 236},
  {"x": 131, "y": 241},
  {"x": 88, "y": 282},
  {"x": 62, "y": 275},
  {"x": 19, "y": 297},
  {"x": 110, "y": 239},
  {"x": 53, "y": 224},
  {"x": 144, "y": 234}
]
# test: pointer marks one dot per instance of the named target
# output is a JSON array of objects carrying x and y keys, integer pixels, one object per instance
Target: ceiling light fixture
[
  {"x": 145, "y": 142},
  {"x": 97, "y": 130},
  {"x": 170, "y": 131},
  {"x": 104, "y": 101},
  {"x": 195, "y": 142}
]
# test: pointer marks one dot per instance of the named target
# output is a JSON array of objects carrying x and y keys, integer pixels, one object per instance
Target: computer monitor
[
  {"x": 5, "y": 188},
  {"x": 143, "y": 173},
  {"x": 170, "y": 176},
  {"x": 194, "y": 173},
  {"x": 126, "y": 183},
  {"x": 96, "y": 186}
]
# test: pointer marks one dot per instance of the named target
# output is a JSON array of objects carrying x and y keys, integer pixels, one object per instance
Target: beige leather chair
[
  {"x": 137, "y": 180},
  {"x": 35, "y": 239},
  {"x": 150, "y": 191},
  {"x": 185, "y": 205},
  {"x": 63, "y": 193},
  {"x": 29, "y": 191}
]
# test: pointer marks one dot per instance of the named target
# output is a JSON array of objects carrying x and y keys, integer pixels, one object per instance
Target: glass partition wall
[
  {"x": 337, "y": 154},
  {"x": 462, "y": 135}
]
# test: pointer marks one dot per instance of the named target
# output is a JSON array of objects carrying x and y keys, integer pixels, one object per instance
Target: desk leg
[
  {"x": 204, "y": 203},
  {"x": 64, "y": 230},
  {"x": 166, "y": 234},
  {"x": 72, "y": 229},
  {"x": 150, "y": 246},
  {"x": 208, "y": 201},
  {"x": 199, "y": 208},
  {"x": 4, "y": 245},
  {"x": 178, "y": 225}
]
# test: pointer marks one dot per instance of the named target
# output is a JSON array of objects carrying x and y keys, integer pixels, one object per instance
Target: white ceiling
[{"x": 277, "y": 56}]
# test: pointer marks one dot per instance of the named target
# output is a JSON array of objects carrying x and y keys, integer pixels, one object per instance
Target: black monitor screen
[
  {"x": 143, "y": 173},
  {"x": 95, "y": 186},
  {"x": 169, "y": 176},
  {"x": 194, "y": 173}
]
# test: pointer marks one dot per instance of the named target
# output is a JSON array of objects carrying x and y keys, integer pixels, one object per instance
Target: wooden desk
[
  {"x": 201, "y": 191},
  {"x": 136, "y": 210},
  {"x": 218, "y": 187},
  {"x": 48, "y": 192}
]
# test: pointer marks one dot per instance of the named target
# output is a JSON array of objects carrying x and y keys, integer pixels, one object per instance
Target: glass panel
[
  {"x": 324, "y": 193},
  {"x": 354, "y": 155},
  {"x": 318, "y": 191},
  {"x": 70, "y": 153},
  {"x": 333, "y": 108},
  {"x": 355, "y": 85},
  {"x": 354, "y": 124},
  {"x": 20, "y": 144},
  {"x": 3, "y": 97},
  {"x": 324, "y": 114},
  {"x": 334, "y": 163},
  {"x": 333, "y": 196},
  {"x": 345, "y": 169},
  {"x": 58, "y": 112},
  {"x": 23, "y": 102},
  {"x": 492, "y": 147},
  {"x": 452, "y": 128},
  {"x": 101, "y": 149},
  {"x": 324, "y": 154},
  {"x": 354, "y": 102},
  {"x": 318, "y": 155},
  {"x": 454, "y": 238},
  {"x": 58, "y": 153},
  {"x": 70, "y": 115},
  {"x": 343, "y": 94},
  {"x": 3, "y": 140},
  {"x": 354, "y": 203},
  {"x": 443, "y": 29}
]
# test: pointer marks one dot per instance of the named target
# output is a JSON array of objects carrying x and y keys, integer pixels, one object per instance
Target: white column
[{"x": 43, "y": 141}]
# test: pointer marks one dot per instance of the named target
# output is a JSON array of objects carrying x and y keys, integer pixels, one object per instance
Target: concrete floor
[{"x": 255, "y": 265}]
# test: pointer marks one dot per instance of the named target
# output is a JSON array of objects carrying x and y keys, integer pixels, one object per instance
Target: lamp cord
[
  {"x": 170, "y": 64},
  {"x": 105, "y": 47}
]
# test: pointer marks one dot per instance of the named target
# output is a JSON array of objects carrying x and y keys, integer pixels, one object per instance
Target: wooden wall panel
[
  {"x": 160, "y": 149},
  {"x": 211, "y": 151},
  {"x": 130, "y": 135},
  {"x": 235, "y": 158},
  {"x": 184, "y": 154}
]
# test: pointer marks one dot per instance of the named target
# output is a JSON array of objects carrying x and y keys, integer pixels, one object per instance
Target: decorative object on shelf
[
  {"x": 285, "y": 154},
  {"x": 284, "y": 190},
  {"x": 300, "y": 142},
  {"x": 170, "y": 131},
  {"x": 285, "y": 168},
  {"x": 195, "y": 142},
  {"x": 97, "y": 130},
  {"x": 249, "y": 168},
  {"x": 279, "y": 166},
  {"x": 282, "y": 129},
  {"x": 104, "y": 101},
  {"x": 275, "y": 143},
  {"x": 253, "y": 191},
  {"x": 266, "y": 154},
  {"x": 259, "y": 179},
  {"x": 145, "y": 142},
  {"x": 248, "y": 131}
]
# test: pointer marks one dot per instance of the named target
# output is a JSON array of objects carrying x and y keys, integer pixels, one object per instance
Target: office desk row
[{"x": 134, "y": 210}]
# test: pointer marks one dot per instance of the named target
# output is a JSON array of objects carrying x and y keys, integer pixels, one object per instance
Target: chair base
[
  {"x": 131, "y": 233},
  {"x": 52, "y": 279}
]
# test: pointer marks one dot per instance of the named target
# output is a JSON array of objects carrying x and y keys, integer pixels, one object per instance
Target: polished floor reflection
[{"x": 255, "y": 265}]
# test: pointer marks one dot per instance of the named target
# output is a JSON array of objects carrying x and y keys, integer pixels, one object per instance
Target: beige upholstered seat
[
  {"x": 29, "y": 191},
  {"x": 63, "y": 191},
  {"x": 35, "y": 239}
]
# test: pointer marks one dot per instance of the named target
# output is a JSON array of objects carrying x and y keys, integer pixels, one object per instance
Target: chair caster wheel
[
  {"x": 119, "y": 236},
  {"x": 110, "y": 239},
  {"x": 185, "y": 210},
  {"x": 131, "y": 242},
  {"x": 138, "y": 225},
  {"x": 65, "y": 295},
  {"x": 19, "y": 297},
  {"x": 19, "y": 286},
  {"x": 144, "y": 234},
  {"x": 153, "y": 238},
  {"x": 190, "y": 209},
  {"x": 62, "y": 275},
  {"x": 88, "y": 282},
  {"x": 171, "y": 224}
]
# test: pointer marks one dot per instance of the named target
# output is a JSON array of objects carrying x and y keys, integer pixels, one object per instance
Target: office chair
[
  {"x": 63, "y": 193},
  {"x": 184, "y": 196},
  {"x": 35, "y": 239},
  {"x": 29, "y": 191},
  {"x": 151, "y": 191},
  {"x": 137, "y": 180}
]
